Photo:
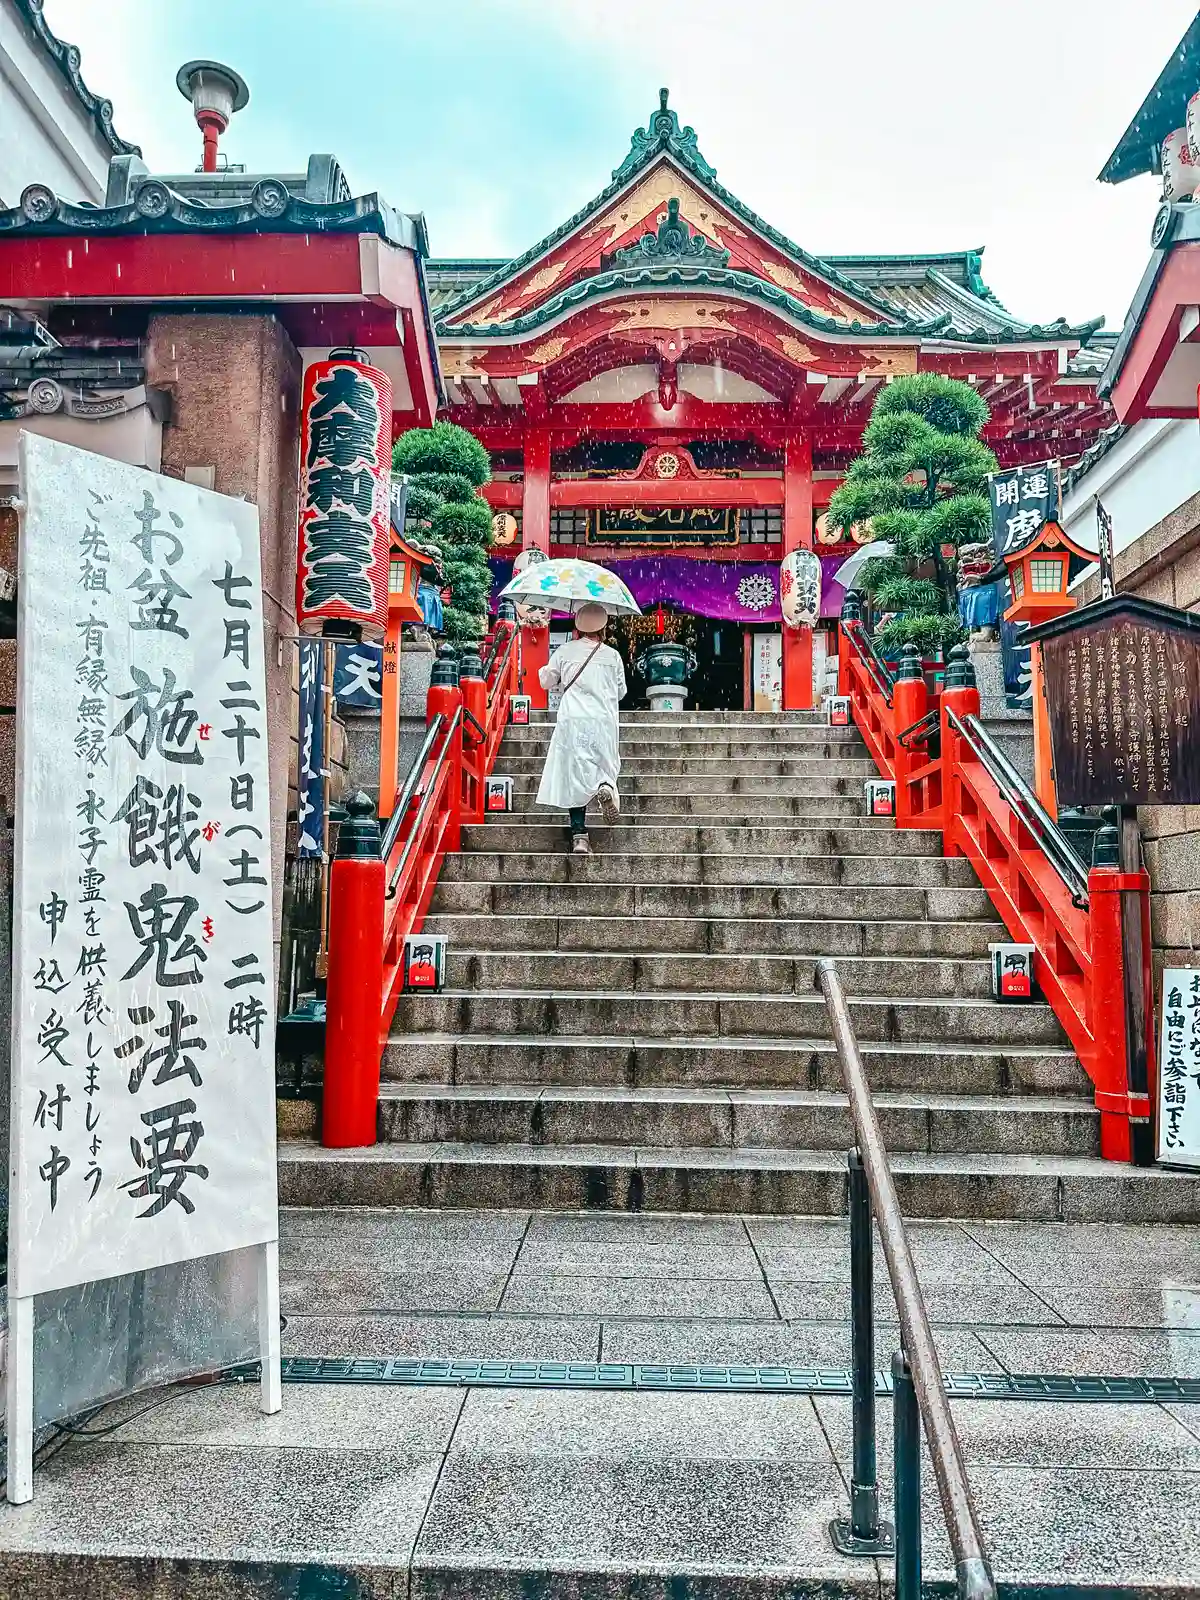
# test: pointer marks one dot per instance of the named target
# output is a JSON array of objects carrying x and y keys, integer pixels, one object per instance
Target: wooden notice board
[{"x": 1123, "y": 697}]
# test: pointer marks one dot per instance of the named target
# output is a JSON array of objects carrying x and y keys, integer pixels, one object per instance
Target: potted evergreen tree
[
  {"x": 446, "y": 467},
  {"x": 920, "y": 483}
]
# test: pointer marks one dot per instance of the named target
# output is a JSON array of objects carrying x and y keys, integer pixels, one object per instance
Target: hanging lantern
[
  {"x": 800, "y": 589},
  {"x": 504, "y": 529},
  {"x": 529, "y": 613},
  {"x": 1180, "y": 172},
  {"x": 660, "y": 622},
  {"x": 345, "y": 489}
]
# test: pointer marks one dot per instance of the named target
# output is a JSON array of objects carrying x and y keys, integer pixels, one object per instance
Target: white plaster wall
[
  {"x": 1147, "y": 474},
  {"x": 46, "y": 136}
]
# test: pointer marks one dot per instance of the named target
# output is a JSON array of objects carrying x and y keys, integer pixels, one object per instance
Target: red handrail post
[
  {"x": 851, "y": 612},
  {"x": 961, "y": 696},
  {"x": 535, "y": 654},
  {"x": 910, "y": 701},
  {"x": 1124, "y": 1106},
  {"x": 473, "y": 688},
  {"x": 354, "y": 986}
]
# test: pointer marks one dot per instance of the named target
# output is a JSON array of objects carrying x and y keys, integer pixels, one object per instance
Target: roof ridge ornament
[
  {"x": 674, "y": 243},
  {"x": 664, "y": 133}
]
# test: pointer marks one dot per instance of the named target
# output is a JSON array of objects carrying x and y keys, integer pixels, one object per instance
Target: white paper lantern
[
  {"x": 1181, "y": 173},
  {"x": 800, "y": 589},
  {"x": 1193, "y": 126}
]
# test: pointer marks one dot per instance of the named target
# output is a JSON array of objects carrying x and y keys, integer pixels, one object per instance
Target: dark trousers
[{"x": 578, "y": 818}]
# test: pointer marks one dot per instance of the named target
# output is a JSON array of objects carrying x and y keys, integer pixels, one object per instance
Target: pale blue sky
[{"x": 853, "y": 127}]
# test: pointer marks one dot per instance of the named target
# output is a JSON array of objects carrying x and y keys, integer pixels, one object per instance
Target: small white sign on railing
[
  {"x": 143, "y": 1116},
  {"x": 1179, "y": 1069}
]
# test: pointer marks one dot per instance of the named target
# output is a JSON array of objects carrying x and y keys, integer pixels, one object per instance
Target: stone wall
[{"x": 1164, "y": 565}]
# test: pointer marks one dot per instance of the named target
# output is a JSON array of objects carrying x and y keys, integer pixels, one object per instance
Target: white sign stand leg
[
  {"x": 19, "y": 1356},
  {"x": 271, "y": 1390}
]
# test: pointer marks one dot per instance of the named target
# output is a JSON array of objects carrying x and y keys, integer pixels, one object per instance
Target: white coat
[{"x": 584, "y": 749}]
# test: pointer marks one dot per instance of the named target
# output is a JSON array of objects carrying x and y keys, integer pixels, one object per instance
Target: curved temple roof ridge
[{"x": 67, "y": 58}]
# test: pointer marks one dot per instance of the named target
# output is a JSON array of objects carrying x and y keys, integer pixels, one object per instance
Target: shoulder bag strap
[{"x": 583, "y": 668}]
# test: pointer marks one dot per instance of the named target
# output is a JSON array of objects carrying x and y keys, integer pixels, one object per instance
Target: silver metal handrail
[
  {"x": 919, "y": 1353},
  {"x": 1053, "y": 843},
  {"x": 404, "y": 799},
  {"x": 452, "y": 733},
  {"x": 871, "y": 659}
]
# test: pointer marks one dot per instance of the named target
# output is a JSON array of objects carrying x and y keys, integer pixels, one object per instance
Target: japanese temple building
[{"x": 668, "y": 384}]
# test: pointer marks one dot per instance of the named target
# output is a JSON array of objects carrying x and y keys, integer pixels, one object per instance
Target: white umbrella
[
  {"x": 850, "y": 568},
  {"x": 568, "y": 584}
]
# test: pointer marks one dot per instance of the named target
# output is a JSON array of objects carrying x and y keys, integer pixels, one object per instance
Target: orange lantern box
[
  {"x": 404, "y": 575},
  {"x": 1038, "y": 574}
]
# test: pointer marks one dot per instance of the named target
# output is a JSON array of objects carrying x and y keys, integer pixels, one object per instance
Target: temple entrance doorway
[{"x": 719, "y": 680}]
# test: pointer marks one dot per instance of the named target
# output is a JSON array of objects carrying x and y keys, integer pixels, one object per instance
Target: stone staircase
[{"x": 639, "y": 1031}]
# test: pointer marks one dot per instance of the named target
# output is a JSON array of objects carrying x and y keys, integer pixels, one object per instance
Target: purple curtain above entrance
[{"x": 730, "y": 591}]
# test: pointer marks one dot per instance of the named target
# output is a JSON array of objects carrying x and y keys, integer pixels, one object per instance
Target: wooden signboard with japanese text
[{"x": 1123, "y": 695}]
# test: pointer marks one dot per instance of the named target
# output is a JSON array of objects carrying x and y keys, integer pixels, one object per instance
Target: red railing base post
[
  {"x": 535, "y": 654},
  {"x": 354, "y": 986},
  {"x": 910, "y": 702}
]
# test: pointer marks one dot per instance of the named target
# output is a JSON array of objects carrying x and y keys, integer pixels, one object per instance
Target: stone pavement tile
[
  {"x": 1059, "y": 1527},
  {"x": 384, "y": 1228},
  {"x": 1140, "y": 1306},
  {"x": 1106, "y": 1352},
  {"x": 791, "y": 1344},
  {"x": 445, "y": 1338},
  {"x": 579, "y": 1227},
  {"x": 314, "y": 1416},
  {"x": 1092, "y": 1253},
  {"x": 458, "y": 1286},
  {"x": 394, "y": 1252},
  {"x": 973, "y": 1303},
  {"x": 662, "y": 1486},
  {"x": 635, "y": 1256},
  {"x": 1188, "y": 1415},
  {"x": 1039, "y": 1433},
  {"x": 578, "y": 1294},
  {"x": 353, "y": 1507}
]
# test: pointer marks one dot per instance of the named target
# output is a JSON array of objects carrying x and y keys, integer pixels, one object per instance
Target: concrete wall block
[
  {"x": 1174, "y": 862},
  {"x": 1187, "y": 579},
  {"x": 1173, "y": 920},
  {"x": 1160, "y": 822}
]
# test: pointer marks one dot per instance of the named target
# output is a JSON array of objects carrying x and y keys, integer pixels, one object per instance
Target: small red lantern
[
  {"x": 345, "y": 483},
  {"x": 660, "y": 622}
]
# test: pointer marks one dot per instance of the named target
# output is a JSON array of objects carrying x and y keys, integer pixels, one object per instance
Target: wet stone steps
[{"x": 638, "y": 1030}]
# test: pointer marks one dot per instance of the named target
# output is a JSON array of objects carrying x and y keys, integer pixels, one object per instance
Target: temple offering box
[{"x": 425, "y": 961}]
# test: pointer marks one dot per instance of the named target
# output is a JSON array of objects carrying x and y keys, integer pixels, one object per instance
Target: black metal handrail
[
  {"x": 404, "y": 798},
  {"x": 918, "y": 1388},
  {"x": 1052, "y": 842},
  {"x": 871, "y": 659},
  {"x": 452, "y": 733},
  {"x": 922, "y": 731}
]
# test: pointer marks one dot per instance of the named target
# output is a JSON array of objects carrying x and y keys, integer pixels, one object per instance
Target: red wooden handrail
[
  {"x": 1076, "y": 935},
  {"x": 375, "y": 903}
]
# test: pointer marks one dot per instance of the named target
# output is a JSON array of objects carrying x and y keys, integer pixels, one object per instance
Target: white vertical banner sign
[
  {"x": 1179, "y": 1069},
  {"x": 143, "y": 1105}
]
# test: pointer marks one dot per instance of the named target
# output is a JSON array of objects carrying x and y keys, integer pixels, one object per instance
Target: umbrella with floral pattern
[{"x": 565, "y": 585}]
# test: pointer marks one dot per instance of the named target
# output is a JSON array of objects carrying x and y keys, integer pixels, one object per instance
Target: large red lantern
[{"x": 345, "y": 486}]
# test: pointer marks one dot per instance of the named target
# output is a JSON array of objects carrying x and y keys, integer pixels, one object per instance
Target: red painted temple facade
[{"x": 668, "y": 377}]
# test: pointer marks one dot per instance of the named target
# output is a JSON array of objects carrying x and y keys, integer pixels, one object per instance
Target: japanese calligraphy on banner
[
  {"x": 358, "y": 676},
  {"x": 345, "y": 496},
  {"x": 1179, "y": 1069},
  {"x": 310, "y": 786},
  {"x": 1022, "y": 501},
  {"x": 144, "y": 1015}
]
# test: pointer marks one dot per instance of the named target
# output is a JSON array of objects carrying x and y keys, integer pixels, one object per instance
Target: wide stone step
[
  {"x": 706, "y": 766},
  {"x": 576, "y": 897},
  {"x": 670, "y": 804},
  {"x": 731, "y": 1119},
  {"x": 667, "y": 1014},
  {"x": 755, "y": 1182},
  {"x": 813, "y": 786},
  {"x": 718, "y": 719},
  {"x": 556, "y": 865},
  {"x": 628, "y": 838},
  {"x": 946, "y": 1067},
  {"x": 811, "y": 742},
  {"x": 717, "y": 936},
  {"x": 582, "y": 971}
]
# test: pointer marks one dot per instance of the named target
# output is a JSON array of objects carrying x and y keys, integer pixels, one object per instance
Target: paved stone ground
[{"x": 449, "y": 1492}]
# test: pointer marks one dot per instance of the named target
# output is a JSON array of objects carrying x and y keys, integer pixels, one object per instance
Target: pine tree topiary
[
  {"x": 921, "y": 484},
  {"x": 446, "y": 466}
]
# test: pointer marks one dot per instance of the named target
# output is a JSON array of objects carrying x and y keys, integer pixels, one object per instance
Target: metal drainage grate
[{"x": 724, "y": 1380}]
